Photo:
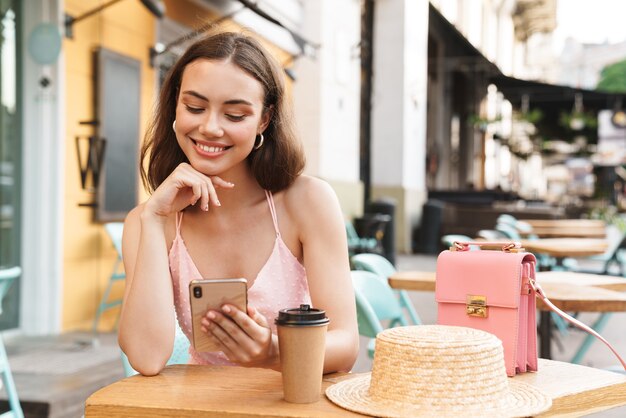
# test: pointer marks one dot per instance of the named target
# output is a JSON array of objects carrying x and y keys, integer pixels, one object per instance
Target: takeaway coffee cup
[{"x": 302, "y": 343}]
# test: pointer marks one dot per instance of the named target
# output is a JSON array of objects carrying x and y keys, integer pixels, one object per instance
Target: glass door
[{"x": 10, "y": 156}]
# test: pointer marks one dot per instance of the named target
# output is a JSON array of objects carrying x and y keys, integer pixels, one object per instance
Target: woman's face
[{"x": 219, "y": 113}]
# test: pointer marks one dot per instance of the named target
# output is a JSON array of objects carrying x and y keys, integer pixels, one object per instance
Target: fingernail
[
  {"x": 226, "y": 309},
  {"x": 204, "y": 329},
  {"x": 211, "y": 315},
  {"x": 218, "y": 203},
  {"x": 206, "y": 208}
]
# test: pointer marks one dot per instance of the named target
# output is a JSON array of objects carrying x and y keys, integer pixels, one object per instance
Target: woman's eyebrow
[
  {"x": 237, "y": 101},
  {"x": 195, "y": 94},
  {"x": 228, "y": 102}
]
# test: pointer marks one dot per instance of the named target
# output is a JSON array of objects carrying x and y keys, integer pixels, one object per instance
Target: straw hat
[{"x": 438, "y": 370}]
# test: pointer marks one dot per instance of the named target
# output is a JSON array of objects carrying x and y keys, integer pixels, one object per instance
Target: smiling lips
[{"x": 209, "y": 149}]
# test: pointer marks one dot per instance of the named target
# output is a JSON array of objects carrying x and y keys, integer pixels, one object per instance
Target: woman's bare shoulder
[
  {"x": 310, "y": 199},
  {"x": 307, "y": 190}
]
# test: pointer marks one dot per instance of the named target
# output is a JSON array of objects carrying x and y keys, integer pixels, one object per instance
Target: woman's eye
[
  {"x": 194, "y": 109},
  {"x": 236, "y": 118}
]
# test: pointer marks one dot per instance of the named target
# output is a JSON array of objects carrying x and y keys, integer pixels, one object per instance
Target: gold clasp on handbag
[
  {"x": 513, "y": 247},
  {"x": 476, "y": 305}
]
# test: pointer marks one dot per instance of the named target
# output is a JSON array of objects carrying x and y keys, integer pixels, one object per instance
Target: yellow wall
[{"x": 129, "y": 29}]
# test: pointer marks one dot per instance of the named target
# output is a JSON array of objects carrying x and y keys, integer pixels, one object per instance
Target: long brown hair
[{"x": 276, "y": 164}]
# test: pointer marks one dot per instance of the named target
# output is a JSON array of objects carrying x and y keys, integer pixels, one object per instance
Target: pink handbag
[{"x": 495, "y": 291}]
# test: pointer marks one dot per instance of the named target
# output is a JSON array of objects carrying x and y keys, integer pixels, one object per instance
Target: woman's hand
[
  {"x": 245, "y": 339},
  {"x": 185, "y": 186}
]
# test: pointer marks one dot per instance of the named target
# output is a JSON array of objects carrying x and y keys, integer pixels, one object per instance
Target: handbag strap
[
  {"x": 541, "y": 294},
  {"x": 506, "y": 246}
]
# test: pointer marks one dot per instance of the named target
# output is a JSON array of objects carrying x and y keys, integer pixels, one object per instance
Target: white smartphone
[{"x": 212, "y": 294}]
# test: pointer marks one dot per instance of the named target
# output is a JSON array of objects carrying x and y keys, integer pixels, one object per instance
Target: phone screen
[{"x": 212, "y": 294}]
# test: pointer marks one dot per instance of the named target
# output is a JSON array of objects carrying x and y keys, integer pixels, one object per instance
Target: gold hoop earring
[
  {"x": 256, "y": 147},
  {"x": 174, "y": 125}
]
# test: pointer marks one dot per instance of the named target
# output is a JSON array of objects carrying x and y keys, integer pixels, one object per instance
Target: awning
[
  {"x": 460, "y": 54},
  {"x": 554, "y": 101},
  {"x": 553, "y": 96}
]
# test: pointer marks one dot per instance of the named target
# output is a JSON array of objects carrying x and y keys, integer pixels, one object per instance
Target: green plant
[
  {"x": 578, "y": 120},
  {"x": 531, "y": 116},
  {"x": 479, "y": 122}
]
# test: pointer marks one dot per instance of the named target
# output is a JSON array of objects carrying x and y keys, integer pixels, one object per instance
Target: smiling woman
[{"x": 229, "y": 201}]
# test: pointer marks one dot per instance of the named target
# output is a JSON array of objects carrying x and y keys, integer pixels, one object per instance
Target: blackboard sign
[{"x": 118, "y": 83}]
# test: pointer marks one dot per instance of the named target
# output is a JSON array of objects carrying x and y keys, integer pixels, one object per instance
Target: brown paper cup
[{"x": 302, "y": 351}]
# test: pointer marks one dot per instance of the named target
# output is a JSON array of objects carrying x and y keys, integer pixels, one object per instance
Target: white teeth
[{"x": 206, "y": 148}]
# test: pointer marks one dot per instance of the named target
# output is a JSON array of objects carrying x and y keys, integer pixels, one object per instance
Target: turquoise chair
[
  {"x": 449, "y": 239},
  {"x": 521, "y": 226},
  {"x": 375, "y": 304},
  {"x": 114, "y": 231},
  {"x": 180, "y": 352},
  {"x": 7, "y": 276},
  {"x": 509, "y": 230},
  {"x": 617, "y": 257},
  {"x": 382, "y": 267},
  {"x": 491, "y": 235},
  {"x": 358, "y": 244}
]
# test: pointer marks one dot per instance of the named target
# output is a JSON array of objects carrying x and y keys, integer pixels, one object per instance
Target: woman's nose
[{"x": 211, "y": 126}]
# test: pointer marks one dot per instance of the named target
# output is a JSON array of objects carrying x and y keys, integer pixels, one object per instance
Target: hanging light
[
  {"x": 156, "y": 7},
  {"x": 577, "y": 122}
]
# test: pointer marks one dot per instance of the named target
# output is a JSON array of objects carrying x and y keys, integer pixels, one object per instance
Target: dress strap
[
  {"x": 179, "y": 221},
  {"x": 270, "y": 201}
]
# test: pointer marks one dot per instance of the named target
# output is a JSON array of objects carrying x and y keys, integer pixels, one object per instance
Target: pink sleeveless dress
[{"x": 281, "y": 283}]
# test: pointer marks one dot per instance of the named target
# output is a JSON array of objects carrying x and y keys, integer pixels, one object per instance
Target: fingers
[
  {"x": 219, "y": 182},
  {"x": 215, "y": 182},
  {"x": 257, "y": 317},
  {"x": 203, "y": 187},
  {"x": 254, "y": 324},
  {"x": 247, "y": 338}
]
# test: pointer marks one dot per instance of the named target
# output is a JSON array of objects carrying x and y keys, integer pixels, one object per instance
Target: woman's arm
[
  {"x": 146, "y": 329},
  {"x": 316, "y": 210}
]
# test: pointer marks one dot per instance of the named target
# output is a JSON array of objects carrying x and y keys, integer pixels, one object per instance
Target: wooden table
[
  {"x": 582, "y": 228},
  {"x": 594, "y": 292},
  {"x": 617, "y": 283},
  {"x": 211, "y": 391},
  {"x": 569, "y": 291},
  {"x": 566, "y": 247}
]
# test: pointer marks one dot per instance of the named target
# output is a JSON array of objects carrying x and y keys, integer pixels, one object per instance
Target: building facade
[{"x": 428, "y": 78}]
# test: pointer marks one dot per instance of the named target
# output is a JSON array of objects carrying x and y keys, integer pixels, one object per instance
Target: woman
[{"x": 229, "y": 200}]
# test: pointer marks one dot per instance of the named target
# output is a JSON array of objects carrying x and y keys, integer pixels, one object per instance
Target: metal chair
[
  {"x": 375, "y": 303},
  {"x": 114, "y": 231},
  {"x": 449, "y": 240},
  {"x": 491, "y": 235},
  {"x": 617, "y": 257},
  {"x": 380, "y": 266},
  {"x": 521, "y": 226},
  {"x": 357, "y": 244},
  {"x": 7, "y": 276}
]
